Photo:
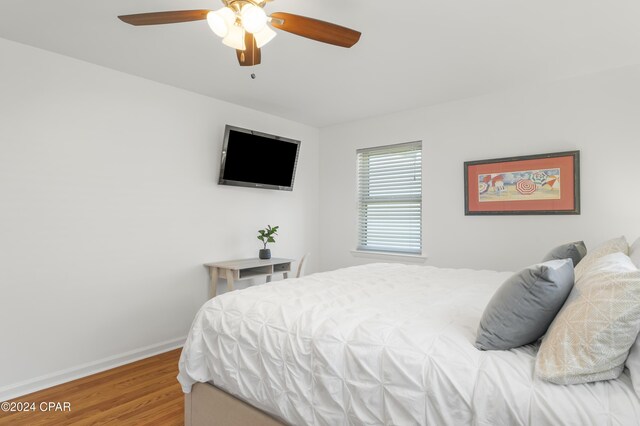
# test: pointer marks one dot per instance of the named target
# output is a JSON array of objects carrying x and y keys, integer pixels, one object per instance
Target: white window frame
[{"x": 390, "y": 223}]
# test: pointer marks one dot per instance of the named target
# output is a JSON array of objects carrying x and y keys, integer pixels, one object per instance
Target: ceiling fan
[{"x": 243, "y": 26}]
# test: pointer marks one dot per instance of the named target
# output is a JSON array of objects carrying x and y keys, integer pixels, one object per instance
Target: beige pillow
[
  {"x": 616, "y": 245},
  {"x": 633, "y": 364},
  {"x": 634, "y": 253},
  {"x": 589, "y": 339}
]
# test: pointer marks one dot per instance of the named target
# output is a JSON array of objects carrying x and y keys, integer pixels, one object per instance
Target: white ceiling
[{"x": 412, "y": 53}]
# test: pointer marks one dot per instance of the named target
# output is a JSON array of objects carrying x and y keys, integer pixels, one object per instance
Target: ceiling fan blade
[
  {"x": 314, "y": 29},
  {"x": 172, "y": 17},
  {"x": 251, "y": 55}
]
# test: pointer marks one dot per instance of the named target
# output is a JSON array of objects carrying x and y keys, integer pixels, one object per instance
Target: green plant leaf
[{"x": 271, "y": 240}]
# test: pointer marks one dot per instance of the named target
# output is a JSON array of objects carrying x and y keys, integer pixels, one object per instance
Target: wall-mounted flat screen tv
[{"x": 258, "y": 160}]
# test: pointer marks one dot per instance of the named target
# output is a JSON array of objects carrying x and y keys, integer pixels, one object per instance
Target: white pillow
[
  {"x": 612, "y": 246},
  {"x": 633, "y": 364},
  {"x": 590, "y": 338},
  {"x": 634, "y": 252}
]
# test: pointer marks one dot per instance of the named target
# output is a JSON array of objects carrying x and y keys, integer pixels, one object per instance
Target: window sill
[{"x": 382, "y": 255}]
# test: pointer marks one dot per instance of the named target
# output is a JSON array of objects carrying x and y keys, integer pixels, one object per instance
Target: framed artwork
[{"x": 533, "y": 184}]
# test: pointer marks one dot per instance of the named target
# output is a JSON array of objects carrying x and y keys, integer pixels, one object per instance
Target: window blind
[{"x": 390, "y": 198}]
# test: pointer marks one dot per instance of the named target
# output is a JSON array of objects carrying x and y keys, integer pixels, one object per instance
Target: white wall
[
  {"x": 597, "y": 114},
  {"x": 109, "y": 206}
]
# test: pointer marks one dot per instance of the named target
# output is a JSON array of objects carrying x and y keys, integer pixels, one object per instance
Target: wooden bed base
[{"x": 208, "y": 405}]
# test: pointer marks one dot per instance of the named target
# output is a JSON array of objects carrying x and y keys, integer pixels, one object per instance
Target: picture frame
[{"x": 542, "y": 184}]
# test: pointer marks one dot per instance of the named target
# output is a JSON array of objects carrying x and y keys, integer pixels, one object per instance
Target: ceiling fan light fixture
[
  {"x": 221, "y": 20},
  {"x": 228, "y": 15},
  {"x": 235, "y": 38},
  {"x": 217, "y": 24},
  {"x": 253, "y": 18},
  {"x": 264, "y": 36}
]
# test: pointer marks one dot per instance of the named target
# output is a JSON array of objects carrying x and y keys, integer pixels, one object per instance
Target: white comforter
[{"x": 383, "y": 344}]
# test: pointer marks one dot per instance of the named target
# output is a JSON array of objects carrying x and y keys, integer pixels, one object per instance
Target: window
[{"x": 390, "y": 198}]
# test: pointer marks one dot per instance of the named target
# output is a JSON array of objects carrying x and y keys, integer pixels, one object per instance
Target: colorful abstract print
[{"x": 518, "y": 186}]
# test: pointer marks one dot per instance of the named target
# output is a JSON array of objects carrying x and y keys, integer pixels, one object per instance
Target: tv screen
[{"x": 258, "y": 160}]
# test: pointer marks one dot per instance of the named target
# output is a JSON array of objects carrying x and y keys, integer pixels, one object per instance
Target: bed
[{"x": 375, "y": 344}]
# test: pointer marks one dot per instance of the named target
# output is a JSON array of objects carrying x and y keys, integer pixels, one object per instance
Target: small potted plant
[{"x": 266, "y": 236}]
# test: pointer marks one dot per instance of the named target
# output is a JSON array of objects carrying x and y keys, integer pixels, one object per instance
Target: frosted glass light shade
[
  {"x": 264, "y": 36},
  {"x": 253, "y": 18},
  {"x": 235, "y": 38},
  {"x": 228, "y": 15},
  {"x": 221, "y": 20},
  {"x": 217, "y": 24}
]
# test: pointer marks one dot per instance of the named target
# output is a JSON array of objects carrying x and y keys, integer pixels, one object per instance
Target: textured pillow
[
  {"x": 634, "y": 253},
  {"x": 574, "y": 251},
  {"x": 633, "y": 364},
  {"x": 590, "y": 338},
  {"x": 523, "y": 307},
  {"x": 633, "y": 361},
  {"x": 617, "y": 245}
]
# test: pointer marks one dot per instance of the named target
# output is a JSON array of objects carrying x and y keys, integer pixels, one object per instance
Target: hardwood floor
[{"x": 145, "y": 392}]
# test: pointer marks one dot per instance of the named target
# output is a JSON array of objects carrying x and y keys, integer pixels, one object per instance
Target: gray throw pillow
[
  {"x": 574, "y": 251},
  {"x": 525, "y": 305}
]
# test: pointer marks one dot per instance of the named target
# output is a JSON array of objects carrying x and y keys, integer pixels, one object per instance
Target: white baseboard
[{"x": 48, "y": 380}]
